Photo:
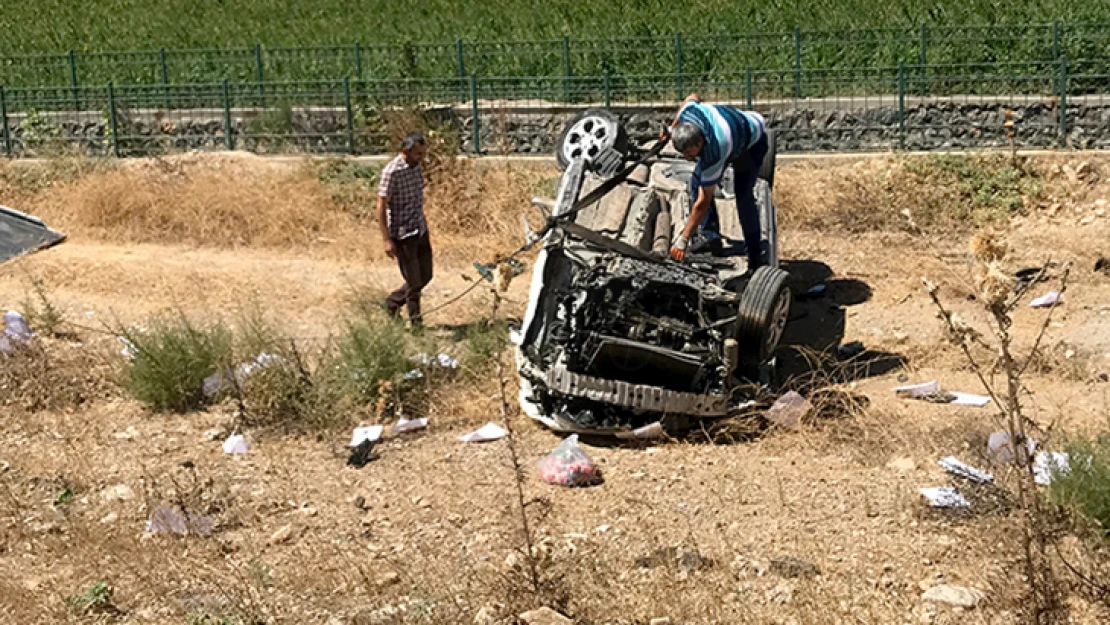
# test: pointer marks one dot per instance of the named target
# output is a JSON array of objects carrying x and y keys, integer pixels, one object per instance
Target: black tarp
[{"x": 22, "y": 234}]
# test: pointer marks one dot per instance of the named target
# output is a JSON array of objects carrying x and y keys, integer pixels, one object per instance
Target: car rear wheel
[
  {"x": 763, "y": 312},
  {"x": 589, "y": 136}
]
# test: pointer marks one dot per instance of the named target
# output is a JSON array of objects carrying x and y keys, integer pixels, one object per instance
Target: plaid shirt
[{"x": 403, "y": 187}]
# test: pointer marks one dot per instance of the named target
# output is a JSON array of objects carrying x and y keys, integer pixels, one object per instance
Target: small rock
[
  {"x": 1083, "y": 169},
  {"x": 360, "y": 502},
  {"x": 545, "y": 616},
  {"x": 387, "y": 580},
  {"x": 850, "y": 350},
  {"x": 485, "y": 616},
  {"x": 308, "y": 511},
  {"x": 958, "y": 596},
  {"x": 1086, "y": 221},
  {"x": 1102, "y": 265},
  {"x": 283, "y": 535},
  {"x": 119, "y": 492},
  {"x": 790, "y": 567},
  {"x": 1101, "y": 203},
  {"x": 110, "y": 518},
  {"x": 1100, "y": 212},
  {"x": 902, "y": 465},
  {"x": 663, "y": 620},
  {"x": 214, "y": 434},
  {"x": 789, "y": 410},
  {"x": 781, "y": 594}
]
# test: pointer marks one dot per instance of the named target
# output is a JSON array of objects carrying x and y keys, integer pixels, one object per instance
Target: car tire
[
  {"x": 594, "y": 131},
  {"x": 761, "y": 318},
  {"x": 767, "y": 167}
]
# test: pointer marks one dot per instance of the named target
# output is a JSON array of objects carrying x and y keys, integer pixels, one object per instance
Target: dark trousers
[
  {"x": 745, "y": 171},
  {"x": 414, "y": 257}
]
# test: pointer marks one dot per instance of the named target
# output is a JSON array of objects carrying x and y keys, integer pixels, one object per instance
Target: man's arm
[
  {"x": 383, "y": 213},
  {"x": 697, "y": 215}
]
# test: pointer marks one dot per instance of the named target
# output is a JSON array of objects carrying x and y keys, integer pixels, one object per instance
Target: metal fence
[
  {"x": 901, "y": 106},
  {"x": 678, "y": 55}
]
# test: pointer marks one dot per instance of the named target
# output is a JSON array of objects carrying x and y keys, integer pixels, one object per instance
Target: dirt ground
[{"x": 427, "y": 533}]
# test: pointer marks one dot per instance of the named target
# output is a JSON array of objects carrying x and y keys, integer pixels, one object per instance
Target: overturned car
[{"x": 618, "y": 337}]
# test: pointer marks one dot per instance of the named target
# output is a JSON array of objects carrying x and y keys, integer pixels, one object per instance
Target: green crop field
[
  {"x": 59, "y": 25},
  {"x": 418, "y": 39}
]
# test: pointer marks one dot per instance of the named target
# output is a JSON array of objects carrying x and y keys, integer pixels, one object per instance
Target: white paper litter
[
  {"x": 1048, "y": 462},
  {"x": 1001, "y": 450},
  {"x": 924, "y": 389},
  {"x": 651, "y": 431},
  {"x": 486, "y": 433},
  {"x": 955, "y": 467},
  {"x": 235, "y": 444},
  {"x": 409, "y": 425},
  {"x": 945, "y": 497},
  {"x": 366, "y": 433},
  {"x": 1048, "y": 299},
  {"x": 129, "y": 352},
  {"x": 16, "y": 332},
  {"x": 415, "y": 374},
  {"x": 970, "y": 399},
  {"x": 441, "y": 360}
]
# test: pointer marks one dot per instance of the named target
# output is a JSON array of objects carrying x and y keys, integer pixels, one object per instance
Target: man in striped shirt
[
  {"x": 717, "y": 136},
  {"x": 404, "y": 229}
]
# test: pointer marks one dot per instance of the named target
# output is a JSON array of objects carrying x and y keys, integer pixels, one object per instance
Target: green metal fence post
[
  {"x": 259, "y": 76},
  {"x": 1063, "y": 101},
  {"x": 4, "y": 122},
  {"x": 678, "y": 67},
  {"x": 112, "y": 119},
  {"x": 165, "y": 74},
  {"x": 350, "y": 115},
  {"x": 608, "y": 89},
  {"x": 73, "y": 80},
  {"x": 358, "y": 61},
  {"x": 797, "y": 61},
  {"x": 1056, "y": 40},
  {"x": 924, "y": 54},
  {"x": 460, "y": 61},
  {"x": 474, "y": 113},
  {"x": 901, "y": 106},
  {"x": 566, "y": 69},
  {"x": 229, "y": 139},
  {"x": 748, "y": 86}
]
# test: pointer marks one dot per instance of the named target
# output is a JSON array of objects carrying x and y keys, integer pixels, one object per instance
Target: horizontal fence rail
[
  {"x": 899, "y": 106},
  {"x": 683, "y": 53}
]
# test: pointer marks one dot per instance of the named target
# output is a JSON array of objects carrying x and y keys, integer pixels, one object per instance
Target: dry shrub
[
  {"x": 913, "y": 193},
  {"x": 215, "y": 204},
  {"x": 48, "y": 374}
]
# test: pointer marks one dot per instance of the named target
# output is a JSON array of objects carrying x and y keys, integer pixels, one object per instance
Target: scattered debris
[
  {"x": 648, "y": 432},
  {"x": 442, "y": 360},
  {"x": 789, "y": 410},
  {"x": 235, "y": 445},
  {"x": 791, "y": 567},
  {"x": 129, "y": 350},
  {"x": 415, "y": 374},
  {"x": 850, "y": 350},
  {"x": 1050, "y": 463},
  {"x": 944, "y": 497},
  {"x": 486, "y": 433},
  {"x": 1102, "y": 265},
  {"x": 931, "y": 391},
  {"x": 955, "y": 467},
  {"x": 688, "y": 561},
  {"x": 362, "y": 454},
  {"x": 365, "y": 433},
  {"x": 957, "y": 596},
  {"x": 568, "y": 465},
  {"x": 409, "y": 425},
  {"x": 24, "y": 234},
  {"x": 166, "y": 519},
  {"x": 1047, "y": 300},
  {"x": 16, "y": 332},
  {"x": 1000, "y": 449},
  {"x": 1029, "y": 275},
  {"x": 225, "y": 380},
  {"x": 545, "y": 616}
]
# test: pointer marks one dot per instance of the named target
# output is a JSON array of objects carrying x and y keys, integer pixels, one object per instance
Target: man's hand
[
  {"x": 678, "y": 250},
  {"x": 390, "y": 249}
]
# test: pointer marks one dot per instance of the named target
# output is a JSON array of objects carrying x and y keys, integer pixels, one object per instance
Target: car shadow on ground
[{"x": 811, "y": 351}]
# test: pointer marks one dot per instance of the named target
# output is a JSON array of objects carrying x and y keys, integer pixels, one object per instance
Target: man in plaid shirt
[{"x": 401, "y": 215}]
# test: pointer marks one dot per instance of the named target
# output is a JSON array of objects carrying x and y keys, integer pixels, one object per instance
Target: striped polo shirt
[{"x": 728, "y": 133}]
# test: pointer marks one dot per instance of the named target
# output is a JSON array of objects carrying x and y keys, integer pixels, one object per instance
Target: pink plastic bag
[{"x": 568, "y": 465}]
